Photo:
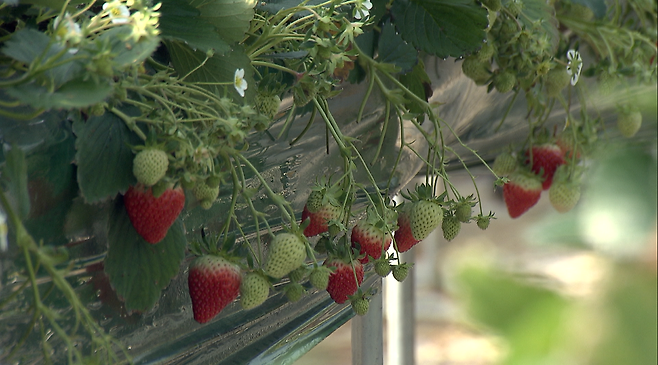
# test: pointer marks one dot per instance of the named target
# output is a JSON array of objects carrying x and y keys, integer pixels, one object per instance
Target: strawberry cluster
[{"x": 546, "y": 166}]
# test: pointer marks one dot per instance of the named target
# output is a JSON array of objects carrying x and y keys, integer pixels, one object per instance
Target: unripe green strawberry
[
  {"x": 97, "y": 109},
  {"x": 581, "y": 12},
  {"x": 556, "y": 80},
  {"x": 486, "y": 51},
  {"x": 205, "y": 194},
  {"x": 298, "y": 274},
  {"x": 493, "y": 5},
  {"x": 463, "y": 211},
  {"x": 504, "y": 81},
  {"x": 425, "y": 216},
  {"x": 150, "y": 165},
  {"x": 564, "y": 195},
  {"x": 319, "y": 277},
  {"x": 451, "y": 227},
  {"x": 400, "y": 272},
  {"x": 382, "y": 267},
  {"x": 294, "y": 292},
  {"x": 267, "y": 105},
  {"x": 286, "y": 253},
  {"x": 475, "y": 70},
  {"x": 303, "y": 93},
  {"x": 483, "y": 222},
  {"x": 254, "y": 290},
  {"x": 629, "y": 122},
  {"x": 515, "y": 7},
  {"x": 360, "y": 306},
  {"x": 504, "y": 164}
]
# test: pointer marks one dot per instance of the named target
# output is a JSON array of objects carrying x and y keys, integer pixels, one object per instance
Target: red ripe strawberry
[
  {"x": 320, "y": 209},
  {"x": 153, "y": 216},
  {"x": 214, "y": 283},
  {"x": 372, "y": 240},
  {"x": 404, "y": 239},
  {"x": 342, "y": 281},
  {"x": 547, "y": 158},
  {"x": 521, "y": 193}
]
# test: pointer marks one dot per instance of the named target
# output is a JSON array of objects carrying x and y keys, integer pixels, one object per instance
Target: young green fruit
[
  {"x": 504, "y": 81},
  {"x": 556, "y": 80},
  {"x": 451, "y": 227},
  {"x": 400, "y": 272},
  {"x": 360, "y": 306},
  {"x": 564, "y": 195},
  {"x": 382, "y": 267},
  {"x": 150, "y": 165},
  {"x": 629, "y": 123},
  {"x": 504, "y": 164},
  {"x": 294, "y": 292},
  {"x": 475, "y": 70},
  {"x": 254, "y": 290},
  {"x": 319, "y": 277},
  {"x": 287, "y": 252}
]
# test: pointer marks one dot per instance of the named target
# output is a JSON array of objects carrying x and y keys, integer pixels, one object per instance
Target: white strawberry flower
[
  {"x": 119, "y": 13},
  {"x": 362, "y": 9},
  {"x": 574, "y": 66},
  {"x": 239, "y": 82},
  {"x": 67, "y": 30}
]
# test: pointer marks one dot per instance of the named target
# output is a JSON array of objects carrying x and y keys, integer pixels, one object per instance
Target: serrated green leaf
[
  {"x": 76, "y": 93},
  {"x": 393, "y": 49},
  {"x": 138, "y": 270},
  {"x": 104, "y": 157},
  {"x": 417, "y": 82},
  {"x": 28, "y": 44},
  {"x": 182, "y": 21},
  {"x": 15, "y": 170},
  {"x": 230, "y": 17},
  {"x": 441, "y": 27},
  {"x": 217, "y": 69},
  {"x": 126, "y": 51}
]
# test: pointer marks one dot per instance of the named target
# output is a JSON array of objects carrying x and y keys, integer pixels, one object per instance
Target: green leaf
[
  {"x": 599, "y": 7},
  {"x": 104, "y": 156},
  {"x": 618, "y": 208},
  {"x": 15, "y": 170},
  {"x": 531, "y": 318},
  {"x": 181, "y": 21},
  {"x": 138, "y": 270},
  {"x": 217, "y": 69},
  {"x": 27, "y": 45},
  {"x": 538, "y": 16},
  {"x": 417, "y": 82},
  {"x": 393, "y": 49},
  {"x": 230, "y": 18},
  {"x": 629, "y": 318},
  {"x": 76, "y": 93},
  {"x": 125, "y": 50},
  {"x": 441, "y": 27}
]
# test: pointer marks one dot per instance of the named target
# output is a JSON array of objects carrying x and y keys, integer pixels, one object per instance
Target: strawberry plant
[{"x": 156, "y": 127}]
